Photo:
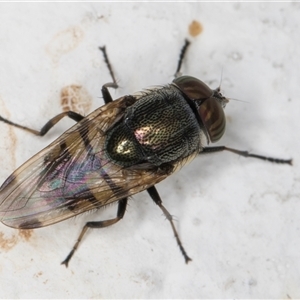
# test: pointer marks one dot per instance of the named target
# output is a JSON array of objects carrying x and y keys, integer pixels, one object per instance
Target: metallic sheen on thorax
[{"x": 159, "y": 128}]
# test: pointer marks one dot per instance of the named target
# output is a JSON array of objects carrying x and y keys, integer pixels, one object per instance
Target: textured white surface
[{"x": 238, "y": 218}]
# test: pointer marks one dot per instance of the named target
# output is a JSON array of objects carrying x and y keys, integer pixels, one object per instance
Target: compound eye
[
  {"x": 212, "y": 115},
  {"x": 194, "y": 88}
]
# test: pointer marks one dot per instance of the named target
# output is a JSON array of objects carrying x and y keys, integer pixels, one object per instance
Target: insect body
[{"x": 122, "y": 148}]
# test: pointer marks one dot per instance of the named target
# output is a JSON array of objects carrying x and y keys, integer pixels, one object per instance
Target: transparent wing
[{"x": 71, "y": 176}]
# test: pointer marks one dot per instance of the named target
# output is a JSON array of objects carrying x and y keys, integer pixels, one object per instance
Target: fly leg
[
  {"x": 71, "y": 114},
  {"x": 105, "y": 92},
  {"x": 156, "y": 198},
  {"x": 246, "y": 154},
  {"x": 181, "y": 57},
  {"x": 98, "y": 224}
]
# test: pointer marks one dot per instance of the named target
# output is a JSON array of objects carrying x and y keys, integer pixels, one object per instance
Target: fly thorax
[
  {"x": 121, "y": 146},
  {"x": 159, "y": 128}
]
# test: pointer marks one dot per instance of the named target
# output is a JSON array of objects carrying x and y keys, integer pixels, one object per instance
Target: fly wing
[{"x": 72, "y": 175}]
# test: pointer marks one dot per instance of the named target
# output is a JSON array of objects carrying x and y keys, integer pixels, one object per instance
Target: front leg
[{"x": 105, "y": 92}]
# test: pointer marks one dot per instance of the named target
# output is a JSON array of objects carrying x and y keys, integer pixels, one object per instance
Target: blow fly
[{"x": 122, "y": 148}]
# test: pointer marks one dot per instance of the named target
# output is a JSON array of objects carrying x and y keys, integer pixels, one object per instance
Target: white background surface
[{"x": 238, "y": 218}]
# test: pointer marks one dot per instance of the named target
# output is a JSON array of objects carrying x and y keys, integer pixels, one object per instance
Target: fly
[{"x": 122, "y": 148}]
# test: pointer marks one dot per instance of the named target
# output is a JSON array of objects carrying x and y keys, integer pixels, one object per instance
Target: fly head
[{"x": 209, "y": 105}]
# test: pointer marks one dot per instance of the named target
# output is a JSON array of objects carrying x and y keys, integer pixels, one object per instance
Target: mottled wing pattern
[{"x": 72, "y": 175}]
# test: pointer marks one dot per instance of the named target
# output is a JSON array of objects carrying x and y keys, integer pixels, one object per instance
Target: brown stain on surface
[
  {"x": 64, "y": 42},
  {"x": 25, "y": 234},
  {"x": 8, "y": 242},
  {"x": 195, "y": 28},
  {"x": 38, "y": 274},
  {"x": 75, "y": 98}
]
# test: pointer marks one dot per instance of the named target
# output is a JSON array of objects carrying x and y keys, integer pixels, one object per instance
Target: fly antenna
[
  {"x": 219, "y": 88},
  {"x": 239, "y": 100},
  {"x": 221, "y": 79}
]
